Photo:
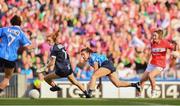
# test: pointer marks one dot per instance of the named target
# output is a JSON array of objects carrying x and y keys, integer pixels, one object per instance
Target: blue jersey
[
  {"x": 94, "y": 57},
  {"x": 11, "y": 38}
]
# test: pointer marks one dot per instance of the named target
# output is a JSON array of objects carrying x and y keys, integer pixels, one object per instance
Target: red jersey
[{"x": 158, "y": 52}]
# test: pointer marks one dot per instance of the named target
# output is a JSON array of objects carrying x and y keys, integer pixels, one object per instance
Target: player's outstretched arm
[
  {"x": 47, "y": 66},
  {"x": 51, "y": 62},
  {"x": 30, "y": 47}
]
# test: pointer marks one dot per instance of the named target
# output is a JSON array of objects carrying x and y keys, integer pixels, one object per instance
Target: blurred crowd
[{"x": 120, "y": 29}]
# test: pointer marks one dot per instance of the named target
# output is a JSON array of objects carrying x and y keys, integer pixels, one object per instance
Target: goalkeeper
[{"x": 60, "y": 60}]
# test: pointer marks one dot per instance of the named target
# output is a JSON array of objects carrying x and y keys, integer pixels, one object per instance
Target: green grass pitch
[{"x": 84, "y": 101}]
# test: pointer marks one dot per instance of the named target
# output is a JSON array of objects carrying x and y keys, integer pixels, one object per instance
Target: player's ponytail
[
  {"x": 160, "y": 33},
  {"x": 54, "y": 35},
  {"x": 87, "y": 49}
]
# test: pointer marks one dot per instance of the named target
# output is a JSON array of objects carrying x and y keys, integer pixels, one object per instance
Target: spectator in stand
[
  {"x": 111, "y": 27},
  {"x": 26, "y": 70}
]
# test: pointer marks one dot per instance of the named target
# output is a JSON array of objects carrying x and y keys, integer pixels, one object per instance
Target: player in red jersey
[{"x": 157, "y": 63}]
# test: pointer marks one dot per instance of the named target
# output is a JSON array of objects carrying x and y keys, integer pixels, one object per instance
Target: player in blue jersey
[
  {"x": 102, "y": 67},
  {"x": 11, "y": 38},
  {"x": 60, "y": 60}
]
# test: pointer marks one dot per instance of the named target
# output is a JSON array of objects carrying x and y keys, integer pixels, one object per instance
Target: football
[{"x": 34, "y": 94}]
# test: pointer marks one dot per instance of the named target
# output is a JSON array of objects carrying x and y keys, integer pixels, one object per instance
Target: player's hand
[
  {"x": 175, "y": 54},
  {"x": 46, "y": 70},
  {"x": 31, "y": 47},
  {"x": 173, "y": 42}
]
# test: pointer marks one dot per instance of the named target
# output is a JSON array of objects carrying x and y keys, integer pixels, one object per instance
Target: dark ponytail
[{"x": 87, "y": 49}]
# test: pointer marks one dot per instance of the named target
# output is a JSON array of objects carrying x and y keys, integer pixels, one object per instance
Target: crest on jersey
[
  {"x": 60, "y": 46},
  {"x": 158, "y": 49}
]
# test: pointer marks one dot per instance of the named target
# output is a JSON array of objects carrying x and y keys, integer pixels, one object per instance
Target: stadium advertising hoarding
[
  {"x": 165, "y": 90},
  {"x": 68, "y": 90}
]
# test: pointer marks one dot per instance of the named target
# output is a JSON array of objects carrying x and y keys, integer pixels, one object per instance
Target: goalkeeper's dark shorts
[{"x": 64, "y": 72}]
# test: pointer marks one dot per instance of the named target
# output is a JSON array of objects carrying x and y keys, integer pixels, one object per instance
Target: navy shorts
[
  {"x": 109, "y": 65},
  {"x": 64, "y": 72},
  {"x": 7, "y": 64}
]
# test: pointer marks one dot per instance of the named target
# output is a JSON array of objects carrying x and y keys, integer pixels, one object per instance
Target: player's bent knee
[
  {"x": 116, "y": 85},
  {"x": 94, "y": 77},
  {"x": 6, "y": 79},
  {"x": 8, "y": 75},
  {"x": 7, "y": 84},
  {"x": 47, "y": 79}
]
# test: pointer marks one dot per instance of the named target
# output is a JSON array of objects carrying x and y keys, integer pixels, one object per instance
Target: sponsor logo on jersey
[
  {"x": 158, "y": 49},
  {"x": 15, "y": 32}
]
